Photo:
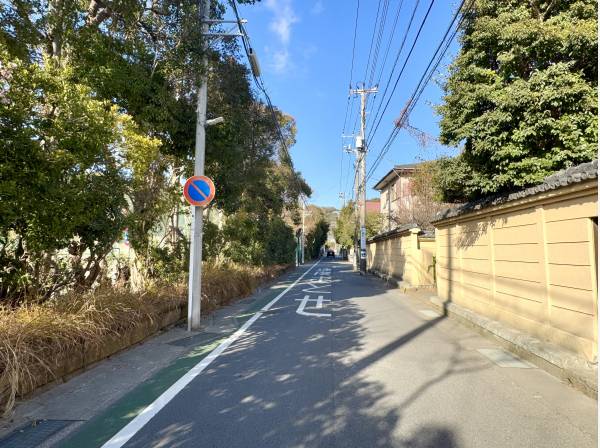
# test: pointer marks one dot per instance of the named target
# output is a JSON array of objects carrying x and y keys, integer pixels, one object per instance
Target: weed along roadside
[{"x": 44, "y": 342}]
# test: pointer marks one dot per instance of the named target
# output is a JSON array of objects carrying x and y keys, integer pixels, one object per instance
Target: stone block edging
[
  {"x": 82, "y": 356},
  {"x": 559, "y": 362}
]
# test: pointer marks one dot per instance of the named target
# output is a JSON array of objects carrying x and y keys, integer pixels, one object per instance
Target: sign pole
[
  {"x": 303, "y": 237},
  {"x": 195, "y": 270}
]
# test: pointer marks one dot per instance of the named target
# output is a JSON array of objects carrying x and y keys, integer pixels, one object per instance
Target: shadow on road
[{"x": 281, "y": 387}]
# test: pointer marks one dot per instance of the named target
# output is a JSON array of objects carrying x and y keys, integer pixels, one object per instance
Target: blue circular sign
[{"x": 199, "y": 190}]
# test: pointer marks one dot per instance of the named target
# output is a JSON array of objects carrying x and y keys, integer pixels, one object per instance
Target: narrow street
[
  {"x": 183, "y": 183},
  {"x": 340, "y": 360}
]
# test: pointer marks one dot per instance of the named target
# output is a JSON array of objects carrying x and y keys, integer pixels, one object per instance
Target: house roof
[
  {"x": 394, "y": 173},
  {"x": 572, "y": 175}
]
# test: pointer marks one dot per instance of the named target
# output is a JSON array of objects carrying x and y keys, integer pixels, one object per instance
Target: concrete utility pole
[
  {"x": 356, "y": 212},
  {"x": 195, "y": 274},
  {"x": 361, "y": 148},
  {"x": 342, "y": 196},
  {"x": 303, "y": 239}
]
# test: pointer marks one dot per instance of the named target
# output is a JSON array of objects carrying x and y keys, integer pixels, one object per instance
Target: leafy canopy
[
  {"x": 346, "y": 229},
  {"x": 521, "y": 96},
  {"x": 97, "y": 123},
  {"x": 316, "y": 237}
]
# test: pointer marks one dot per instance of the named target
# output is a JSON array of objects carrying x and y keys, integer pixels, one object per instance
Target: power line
[
  {"x": 427, "y": 75},
  {"x": 351, "y": 64},
  {"x": 434, "y": 63},
  {"x": 389, "y": 44},
  {"x": 382, "y": 23},
  {"x": 398, "y": 54},
  {"x": 402, "y": 70},
  {"x": 372, "y": 40},
  {"x": 260, "y": 84},
  {"x": 354, "y": 43},
  {"x": 387, "y": 50},
  {"x": 349, "y": 167},
  {"x": 348, "y": 104}
]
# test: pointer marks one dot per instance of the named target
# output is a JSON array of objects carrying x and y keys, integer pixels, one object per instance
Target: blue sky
[{"x": 305, "y": 51}]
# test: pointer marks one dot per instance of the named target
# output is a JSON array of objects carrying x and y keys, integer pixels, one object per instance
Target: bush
[
  {"x": 36, "y": 338},
  {"x": 253, "y": 241},
  {"x": 170, "y": 264},
  {"x": 315, "y": 239},
  {"x": 280, "y": 244}
]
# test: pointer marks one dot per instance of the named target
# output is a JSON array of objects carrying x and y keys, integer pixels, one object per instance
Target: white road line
[
  {"x": 314, "y": 288},
  {"x": 274, "y": 301},
  {"x": 128, "y": 431},
  {"x": 319, "y": 302},
  {"x": 303, "y": 303}
]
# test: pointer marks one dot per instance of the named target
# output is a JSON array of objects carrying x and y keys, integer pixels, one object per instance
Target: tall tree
[
  {"x": 521, "y": 96},
  {"x": 316, "y": 237},
  {"x": 345, "y": 228},
  {"x": 97, "y": 118}
]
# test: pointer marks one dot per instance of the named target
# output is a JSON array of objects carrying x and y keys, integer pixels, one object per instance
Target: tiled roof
[
  {"x": 569, "y": 176},
  {"x": 397, "y": 231}
]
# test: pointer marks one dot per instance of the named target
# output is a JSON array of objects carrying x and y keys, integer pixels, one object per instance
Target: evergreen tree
[{"x": 521, "y": 96}]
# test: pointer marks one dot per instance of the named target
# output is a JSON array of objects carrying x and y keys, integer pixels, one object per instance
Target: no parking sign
[{"x": 199, "y": 191}]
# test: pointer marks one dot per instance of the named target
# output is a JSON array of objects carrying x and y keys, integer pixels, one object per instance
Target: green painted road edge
[{"x": 99, "y": 429}]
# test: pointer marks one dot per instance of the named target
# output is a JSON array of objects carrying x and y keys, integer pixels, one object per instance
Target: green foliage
[
  {"x": 213, "y": 241},
  {"x": 374, "y": 224},
  {"x": 345, "y": 228},
  {"x": 60, "y": 184},
  {"x": 280, "y": 243},
  {"x": 249, "y": 240},
  {"x": 316, "y": 238},
  {"x": 453, "y": 179},
  {"x": 521, "y": 95},
  {"x": 170, "y": 263},
  {"x": 97, "y": 123}
]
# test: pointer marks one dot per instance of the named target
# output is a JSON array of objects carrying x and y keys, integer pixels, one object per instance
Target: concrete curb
[
  {"x": 576, "y": 371},
  {"x": 558, "y": 362},
  {"x": 396, "y": 283},
  {"x": 393, "y": 282},
  {"x": 82, "y": 357}
]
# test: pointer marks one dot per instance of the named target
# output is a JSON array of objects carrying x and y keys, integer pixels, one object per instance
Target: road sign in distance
[{"x": 199, "y": 191}]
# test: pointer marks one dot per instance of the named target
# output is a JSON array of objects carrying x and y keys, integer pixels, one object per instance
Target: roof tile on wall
[{"x": 569, "y": 176}]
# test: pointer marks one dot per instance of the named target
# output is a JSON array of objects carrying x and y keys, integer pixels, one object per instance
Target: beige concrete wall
[
  {"x": 406, "y": 256},
  {"x": 529, "y": 263},
  {"x": 389, "y": 256},
  {"x": 424, "y": 265}
]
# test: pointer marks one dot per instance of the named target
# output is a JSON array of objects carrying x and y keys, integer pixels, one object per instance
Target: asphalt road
[{"x": 365, "y": 367}]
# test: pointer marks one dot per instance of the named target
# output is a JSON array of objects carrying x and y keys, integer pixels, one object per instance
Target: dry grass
[
  {"x": 223, "y": 283},
  {"x": 38, "y": 339}
]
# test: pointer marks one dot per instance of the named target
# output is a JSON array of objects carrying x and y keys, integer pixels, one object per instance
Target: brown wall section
[
  {"x": 530, "y": 263},
  {"x": 406, "y": 256}
]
